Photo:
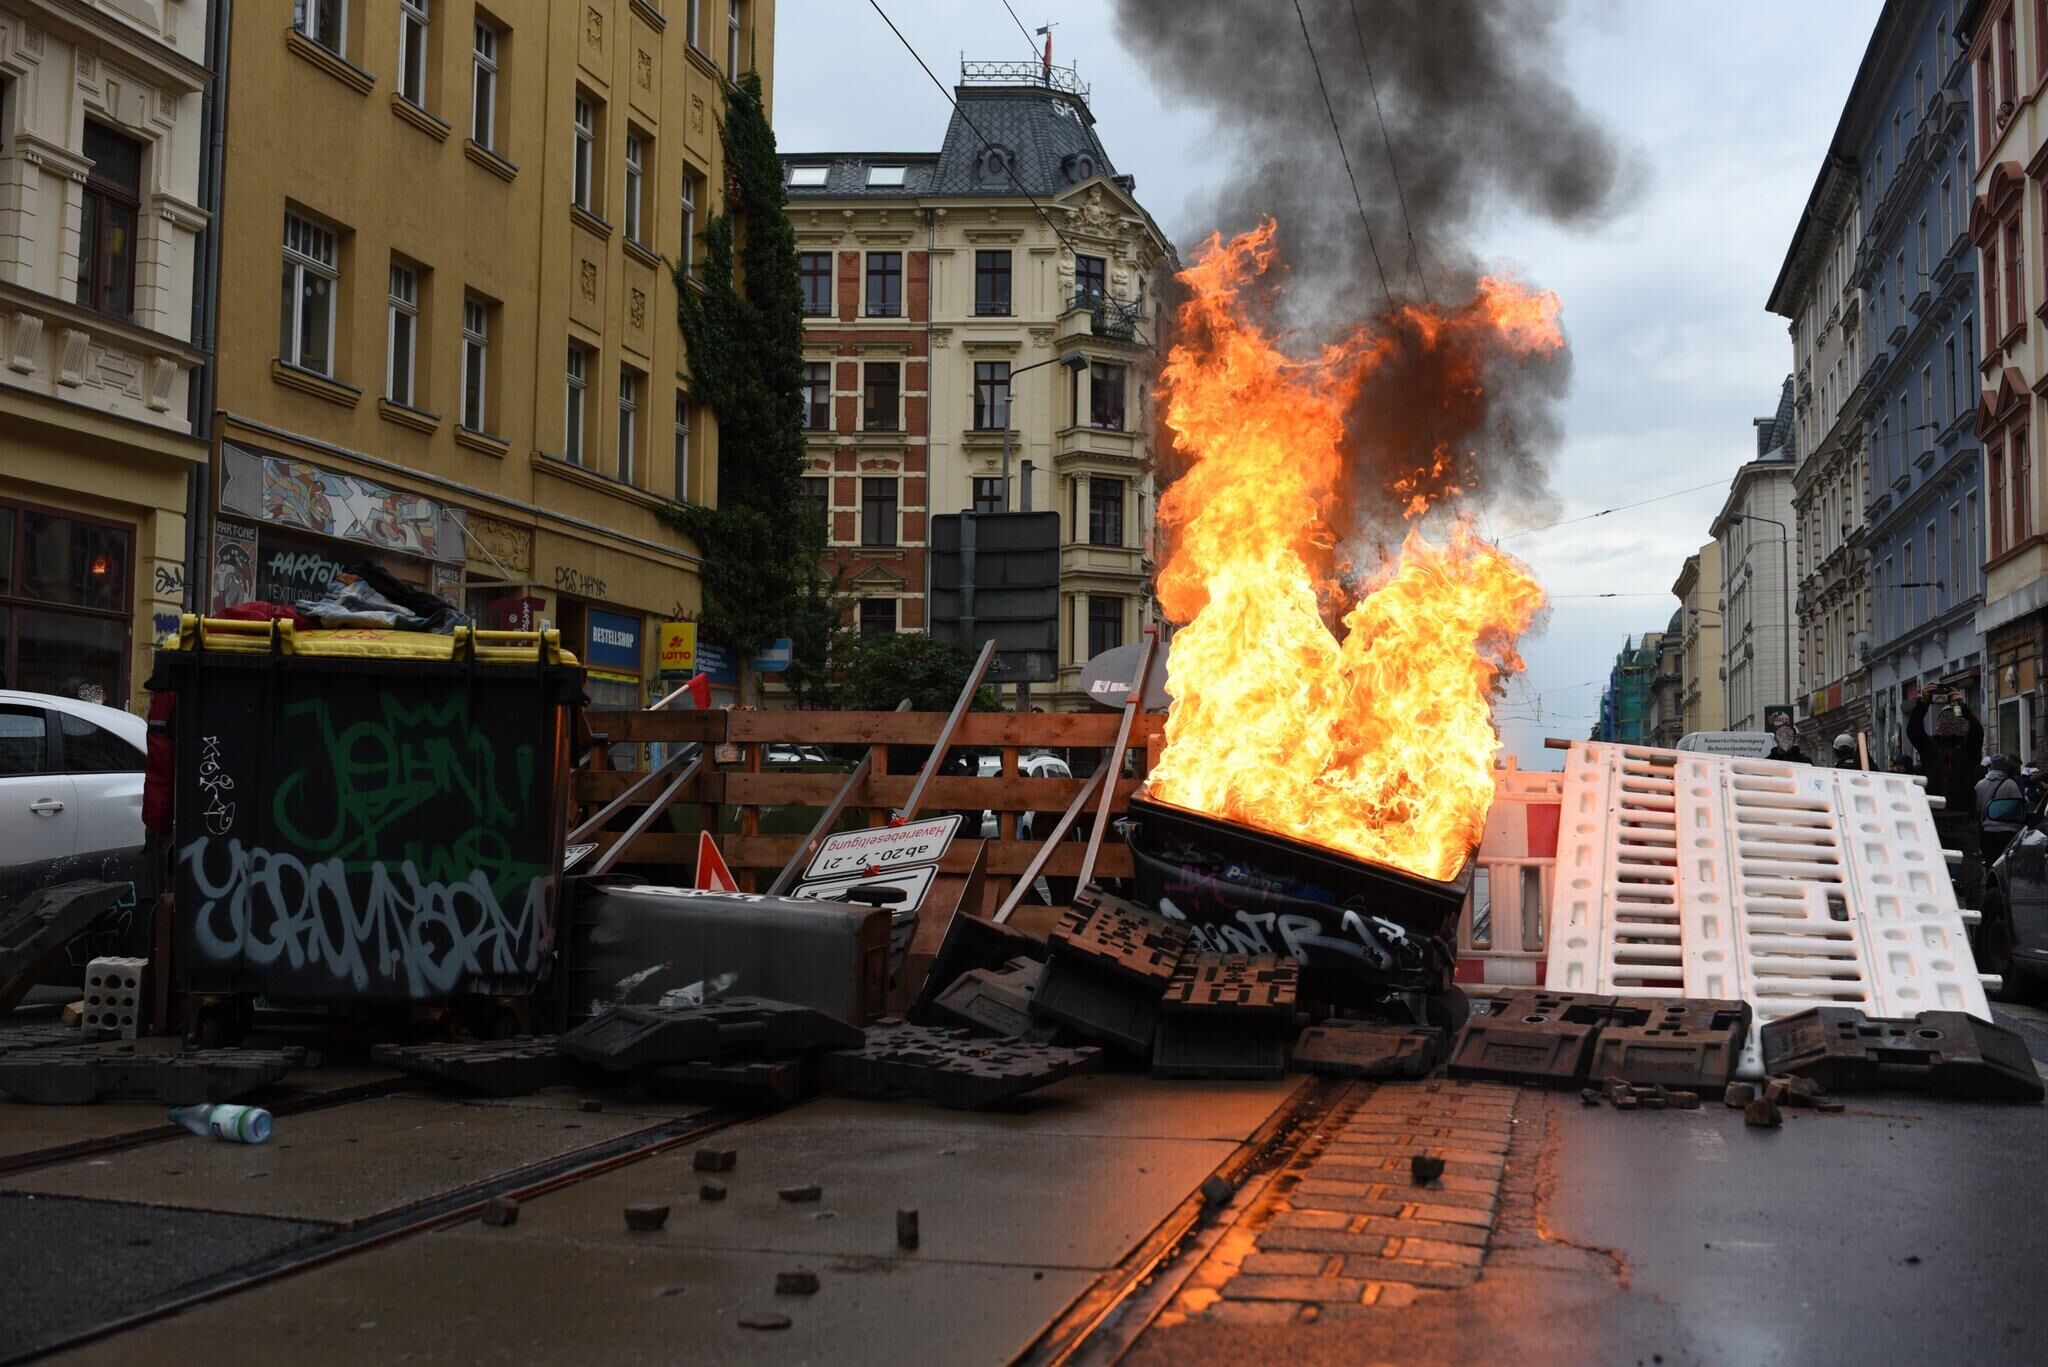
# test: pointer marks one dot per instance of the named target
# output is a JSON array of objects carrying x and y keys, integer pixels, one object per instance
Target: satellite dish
[{"x": 1106, "y": 679}]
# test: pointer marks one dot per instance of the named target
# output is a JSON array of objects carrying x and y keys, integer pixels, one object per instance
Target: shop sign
[
  {"x": 287, "y": 571},
  {"x": 678, "y": 648},
  {"x": 614, "y": 641},
  {"x": 516, "y": 613},
  {"x": 775, "y": 656},
  {"x": 715, "y": 661}
]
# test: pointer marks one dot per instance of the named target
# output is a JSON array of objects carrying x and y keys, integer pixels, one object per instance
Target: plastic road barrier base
[
  {"x": 40, "y": 923},
  {"x": 501, "y": 1067},
  {"x": 1679, "y": 1042},
  {"x": 72, "y": 1075},
  {"x": 972, "y": 943},
  {"x": 1947, "y": 1053},
  {"x": 1102, "y": 1006},
  {"x": 1367, "y": 1049},
  {"x": 951, "y": 1068},
  {"x": 734, "y": 1028},
  {"x": 998, "y": 1003},
  {"x": 1121, "y": 937},
  {"x": 753, "y": 1082},
  {"x": 1544, "y": 1038}
]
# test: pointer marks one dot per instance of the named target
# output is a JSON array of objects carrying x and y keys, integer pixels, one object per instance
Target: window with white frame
[
  {"x": 572, "y": 435},
  {"x": 682, "y": 446},
  {"x": 412, "y": 51},
  {"x": 476, "y": 344},
  {"x": 691, "y": 180},
  {"x": 693, "y": 24},
  {"x": 732, "y": 39},
  {"x": 402, "y": 342},
  {"x": 586, "y": 153},
  {"x": 483, "y": 95},
  {"x": 324, "y": 21},
  {"x": 312, "y": 274},
  {"x": 629, "y": 412},
  {"x": 636, "y": 147}
]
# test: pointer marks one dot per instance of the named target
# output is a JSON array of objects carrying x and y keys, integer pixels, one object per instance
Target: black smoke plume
[{"x": 1478, "y": 122}]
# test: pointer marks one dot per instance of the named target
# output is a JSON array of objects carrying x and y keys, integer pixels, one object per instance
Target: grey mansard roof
[{"x": 1047, "y": 135}]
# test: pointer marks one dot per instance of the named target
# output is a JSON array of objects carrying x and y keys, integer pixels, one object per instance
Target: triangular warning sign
[{"x": 712, "y": 874}]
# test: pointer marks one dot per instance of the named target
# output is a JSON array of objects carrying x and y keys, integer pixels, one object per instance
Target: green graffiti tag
[{"x": 407, "y": 782}]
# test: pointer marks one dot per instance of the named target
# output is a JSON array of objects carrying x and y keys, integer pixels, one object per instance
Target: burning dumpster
[{"x": 367, "y": 816}]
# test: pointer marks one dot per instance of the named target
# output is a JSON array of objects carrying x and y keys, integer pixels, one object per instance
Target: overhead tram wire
[
  {"x": 1617, "y": 508},
  {"x": 986, "y": 145},
  {"x": 1331, "y": 110},
  {"x": 1407, "y": 225}
]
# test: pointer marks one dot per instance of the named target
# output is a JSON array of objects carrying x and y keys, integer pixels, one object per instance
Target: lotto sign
[
  {"x": 678, "y": 646},
  {"x": 883, "y": 848}
]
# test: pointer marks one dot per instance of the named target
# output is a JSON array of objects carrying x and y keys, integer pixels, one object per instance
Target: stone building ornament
[
  {"x": 696, "y": 113},
  {"x": 588, "y": 280},
  {"x": 643, "y": 65},
  {"x": 593, "y": 27},
  {"x": 637, "y": 309},
  {"x": 23, "y": 332}
]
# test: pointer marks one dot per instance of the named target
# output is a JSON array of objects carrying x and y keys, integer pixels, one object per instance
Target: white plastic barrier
[
  {"x": 1502, "y": 929},
  {"x": 1786, "y": 885}
]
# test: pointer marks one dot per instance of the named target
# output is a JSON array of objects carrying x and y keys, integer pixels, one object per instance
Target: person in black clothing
[
  {"x": 1845, "y": 752},
  {"x": 1947, "y": 736},
  {"x": 1786, "y": 746}
]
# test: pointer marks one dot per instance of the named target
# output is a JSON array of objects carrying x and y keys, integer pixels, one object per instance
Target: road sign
[
  {"x": 996, "y": 576},
  {"x": 775, "y": 656},
  {"x": 883, "y": 848},
  {"x": 712, "y": 874},
  {"x": 914, "y": 882}
]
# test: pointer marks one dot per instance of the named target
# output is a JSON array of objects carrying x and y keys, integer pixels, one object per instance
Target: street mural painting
[
  {"x": 333, "y": 504},
  {"x": 392, "y": 853}
]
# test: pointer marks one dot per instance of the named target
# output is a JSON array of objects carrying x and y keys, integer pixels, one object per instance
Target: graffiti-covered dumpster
[{"x": 367, "y": 816}]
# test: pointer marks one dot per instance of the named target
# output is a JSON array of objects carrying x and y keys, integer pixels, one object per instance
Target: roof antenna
[{"x": 1046, "y": 66}]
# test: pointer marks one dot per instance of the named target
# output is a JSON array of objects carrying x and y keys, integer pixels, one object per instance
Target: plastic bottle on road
[{"x": 236, "y": 1124}]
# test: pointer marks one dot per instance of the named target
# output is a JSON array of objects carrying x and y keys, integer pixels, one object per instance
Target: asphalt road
[{"x": 1904, "y": 1230}]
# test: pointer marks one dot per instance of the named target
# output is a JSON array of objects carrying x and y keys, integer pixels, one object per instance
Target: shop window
[
  {"x": 109, "y": 206},
  {"x": 64, "y": 604}
]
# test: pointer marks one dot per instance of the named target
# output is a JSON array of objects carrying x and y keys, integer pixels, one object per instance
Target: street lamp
[
  {"x": 1785, "y": 571},
  {"x": 1075, "y": 361}
]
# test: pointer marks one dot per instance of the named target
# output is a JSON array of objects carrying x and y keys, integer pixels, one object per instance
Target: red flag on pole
[
  {"x": 700, "y": 691},
  {"x": 712, "y": 874}
]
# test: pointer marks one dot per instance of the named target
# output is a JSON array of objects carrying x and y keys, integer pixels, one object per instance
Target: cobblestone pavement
[{"x": 1347, "y": 1228}]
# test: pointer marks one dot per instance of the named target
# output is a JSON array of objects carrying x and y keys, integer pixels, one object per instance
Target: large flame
[{"x": 1377, "y": 741}]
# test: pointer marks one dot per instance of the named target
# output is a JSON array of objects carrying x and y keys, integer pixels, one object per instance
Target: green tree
[
  {"x": 880, "y": 669},
  {"x": 742, "y": 320}
]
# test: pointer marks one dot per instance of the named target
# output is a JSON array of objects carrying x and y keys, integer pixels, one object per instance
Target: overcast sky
[{"x": 1729, "y": 106}]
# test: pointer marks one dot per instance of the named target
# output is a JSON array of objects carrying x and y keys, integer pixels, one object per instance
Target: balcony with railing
[
  {"x": 1091, "y": 313},
  {"x": 1060, "y": 78}
]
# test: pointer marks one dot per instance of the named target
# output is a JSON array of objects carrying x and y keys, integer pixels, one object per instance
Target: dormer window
[
  {"x": 995, "y": 164},
  {"x": 885, "y": 175},
  {"x": 807, "y": 175}
]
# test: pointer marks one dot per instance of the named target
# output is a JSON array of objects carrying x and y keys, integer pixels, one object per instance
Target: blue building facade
[{"x": 1907, "y": 128}]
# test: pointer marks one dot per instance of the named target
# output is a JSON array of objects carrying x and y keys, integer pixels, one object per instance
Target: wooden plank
[
  {"x": 769, "y": 789},
  {"x": 603, "y": 787},
  {"x": 619, "y": 727},
  {"x": 769, "y": 852},
  {"x": 1032, "y": 730}
]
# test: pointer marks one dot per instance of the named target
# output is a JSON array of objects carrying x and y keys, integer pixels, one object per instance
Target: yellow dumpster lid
[{"x": 197, "y": 633}]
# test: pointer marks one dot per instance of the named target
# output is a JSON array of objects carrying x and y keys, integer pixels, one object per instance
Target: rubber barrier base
[{"x": 1947, "y": 1053}]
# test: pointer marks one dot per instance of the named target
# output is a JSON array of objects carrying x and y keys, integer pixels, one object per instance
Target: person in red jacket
[{"x": 1949, "y": 739}]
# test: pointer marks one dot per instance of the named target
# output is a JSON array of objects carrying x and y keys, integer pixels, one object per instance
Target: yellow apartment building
[{"x": 448, "y": 338}]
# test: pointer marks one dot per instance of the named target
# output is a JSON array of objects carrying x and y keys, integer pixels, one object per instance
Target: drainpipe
[
  {"x": 199, "y": 494},
  {"x": 931, "y": 243}
]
